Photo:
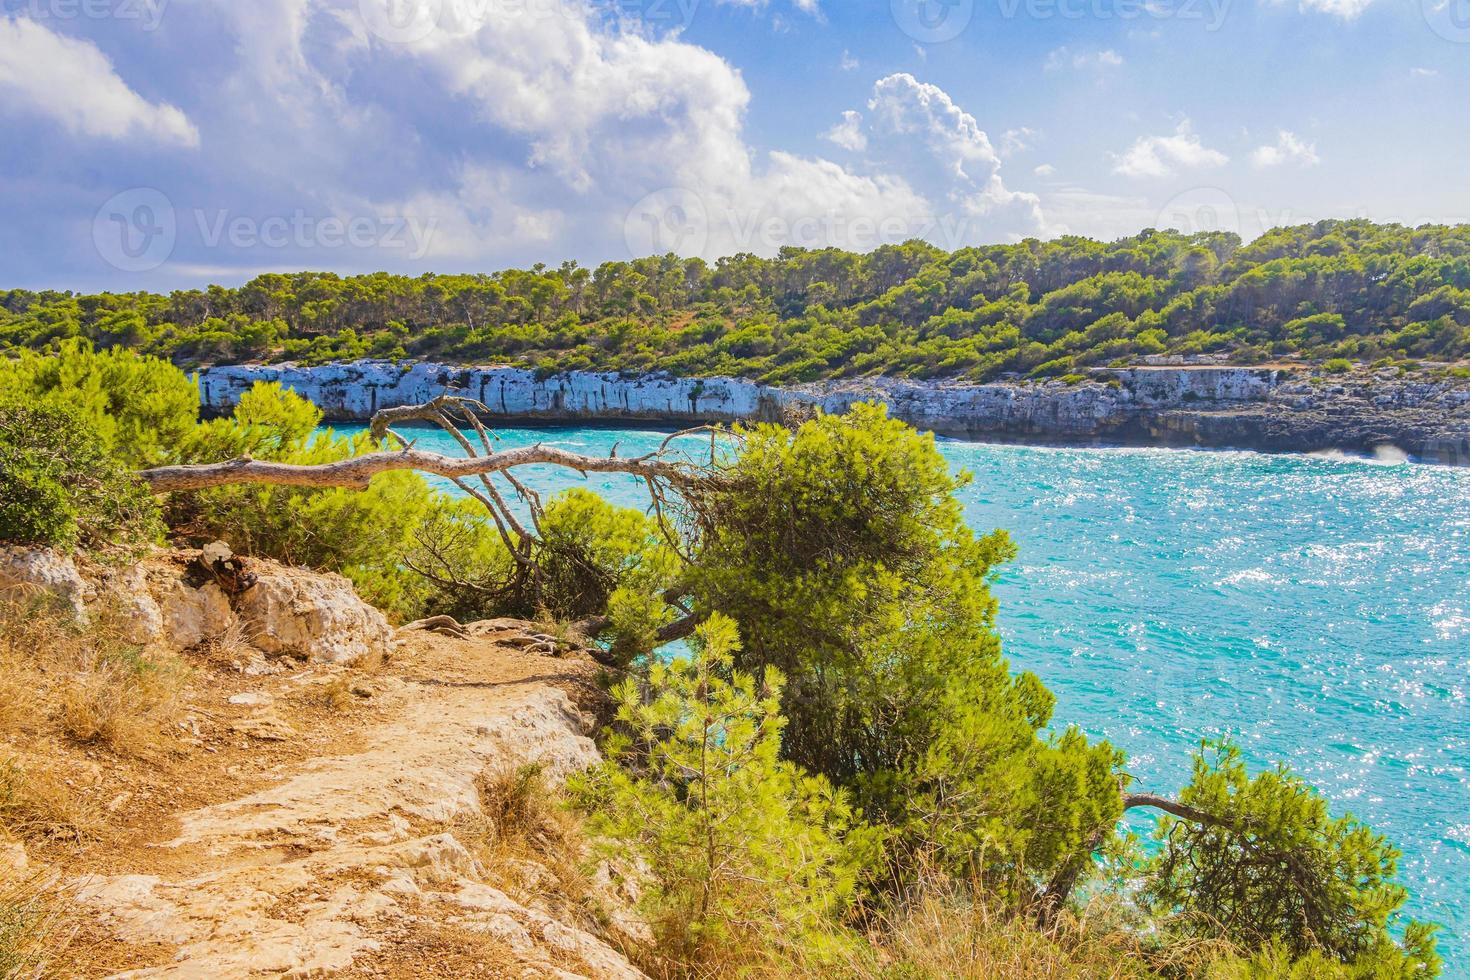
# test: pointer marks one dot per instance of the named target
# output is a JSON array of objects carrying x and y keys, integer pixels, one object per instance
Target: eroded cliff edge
[{"x": 1274, "y": 408}]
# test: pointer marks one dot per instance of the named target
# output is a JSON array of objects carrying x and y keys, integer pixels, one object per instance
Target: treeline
[{"x": 1336, "y": 289}]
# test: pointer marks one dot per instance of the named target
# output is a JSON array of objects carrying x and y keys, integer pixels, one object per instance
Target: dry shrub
[
  {"x": 528, "y": 843},
  {"x": 87, "y": 683},
  {"x": 36, "y": 800},
  {"x": 941, "y": 929},
  {"x": 334, "y": 695},
  {"x": 34, "y": 930}
]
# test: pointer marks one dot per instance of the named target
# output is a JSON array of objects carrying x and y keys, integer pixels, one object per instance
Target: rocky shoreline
[{"x": 1273, "y": 409}]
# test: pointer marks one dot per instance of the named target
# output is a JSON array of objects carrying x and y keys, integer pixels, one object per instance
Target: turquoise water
[{"x": 1317, "y": 609}]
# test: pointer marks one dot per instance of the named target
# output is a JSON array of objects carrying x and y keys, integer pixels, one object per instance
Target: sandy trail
[{"x": 342, "y": 859}]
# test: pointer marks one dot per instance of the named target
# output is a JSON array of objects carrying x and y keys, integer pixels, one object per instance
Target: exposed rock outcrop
[
  {"x": 310, "y": 616},
  {"x": 1270, "y": 408},
  {"x": 27, "y": 572},
  {"x": 166, "y": 601}
]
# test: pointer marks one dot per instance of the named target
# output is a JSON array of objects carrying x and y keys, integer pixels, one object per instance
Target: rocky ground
[{"x": 321, "y": 807}]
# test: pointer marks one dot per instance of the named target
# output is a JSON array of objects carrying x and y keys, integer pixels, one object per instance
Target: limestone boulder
[
  {"x": 30, "y": 572},
  {"x": 311, "y": 616}
]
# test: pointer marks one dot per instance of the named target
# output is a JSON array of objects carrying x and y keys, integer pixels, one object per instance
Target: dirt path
[{"x": 316, "y": 827}]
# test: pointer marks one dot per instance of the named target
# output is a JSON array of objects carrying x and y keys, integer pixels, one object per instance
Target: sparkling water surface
[{"x": 1317, "y": 609}]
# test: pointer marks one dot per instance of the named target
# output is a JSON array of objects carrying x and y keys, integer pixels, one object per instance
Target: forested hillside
[{"x": 1336, "y": 289}]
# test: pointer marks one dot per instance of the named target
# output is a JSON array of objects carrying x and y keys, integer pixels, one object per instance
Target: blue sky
[{"x": 170, "y": 143}]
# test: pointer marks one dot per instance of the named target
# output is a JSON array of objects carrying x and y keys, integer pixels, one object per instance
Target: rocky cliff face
[{"x": 1243, "y": 407}]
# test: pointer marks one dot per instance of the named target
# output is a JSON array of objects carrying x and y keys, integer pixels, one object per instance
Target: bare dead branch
[{"x": 357, "y": 472}]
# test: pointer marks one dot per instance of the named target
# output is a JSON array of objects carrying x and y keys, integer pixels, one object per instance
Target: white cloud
[
  {"x": 606, "y": 117},
  {"x": 74, "y": 83},
  {"x": 1017, "y": 140},
  {"x": 1424, "y": 72},
  {"x": 848, "y": 134},
  {"x": 1044, "y": 170},
  {"x": 1289, "y": 148},
  {"x": 1162, "y": 156},
  {"x": 848, "y": 62},
  {"x": 1062, "y": 57},
  {"x": 916, "y": 129}
]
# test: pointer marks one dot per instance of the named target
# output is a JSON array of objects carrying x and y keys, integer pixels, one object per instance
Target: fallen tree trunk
[{"x": 356, "y": 473}]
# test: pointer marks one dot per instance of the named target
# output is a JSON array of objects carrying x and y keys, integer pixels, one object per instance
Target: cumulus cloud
[
  {"x": 1045, "y": 170},
  {"x": 848, "y": 134},
  {"x": 916, "y": 130},
  {"x": 1163, "y": 156},
  {"x": 1017, "y": 140},
  {"x": 73, "y": 82},
  {"x": 1289, "y": 148},
  {"x": 596, "y": 130}
]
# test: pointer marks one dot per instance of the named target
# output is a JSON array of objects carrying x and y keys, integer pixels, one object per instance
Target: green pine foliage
[
  {"x": 137, "y": 407},
  {"x": 363, "y": 534},
  {"x": 1350, "y": 289},
  {"x": 1275, "y": 868},
  {"x": 841, "y": 551},
  {"x": 753, "y": 860}
]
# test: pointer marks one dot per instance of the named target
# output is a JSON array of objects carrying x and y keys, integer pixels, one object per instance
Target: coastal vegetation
[
  {"x": 1334, "y": 292},
  {"x": 843, "y": 776}
]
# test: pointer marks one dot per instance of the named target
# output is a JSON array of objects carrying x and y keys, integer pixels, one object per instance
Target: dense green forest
[{"x": 1335, "y": 289}]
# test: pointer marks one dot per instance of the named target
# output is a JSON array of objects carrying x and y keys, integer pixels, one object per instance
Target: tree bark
[
  {"x": 1059, "y": 889},
  {"x": 356, "y": 472}
]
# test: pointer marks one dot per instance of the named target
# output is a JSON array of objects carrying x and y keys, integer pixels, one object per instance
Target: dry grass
[
  {"x": 942, "y": 932},
  {"x": 83, "y": 686},
  {"x": 34, "y": 927},
  {"x": 529, "y": 844},
  {"x": 38, "y": 801},
  {"x": 88, "y": 684},
  {"x": 334, "y": 695}
]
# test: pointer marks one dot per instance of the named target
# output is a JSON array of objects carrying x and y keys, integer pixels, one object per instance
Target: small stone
[
  {"x": 252, "y": 699},
  {"x": 266, "y": 728}
]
